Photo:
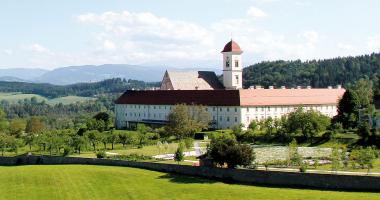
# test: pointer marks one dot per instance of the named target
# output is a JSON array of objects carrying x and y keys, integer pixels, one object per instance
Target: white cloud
[
  {"x": 256, "y": 13},
  {"x": 145, "y": 37},
  {"x": 7, "y": 51},
  {"x": 109, "y": 45},
  {"x": 373, "y": 43},
  {"x": 311, "y": 37},
  {"x": 38, "y": 48},
  {"x": 345, "y": 47}
]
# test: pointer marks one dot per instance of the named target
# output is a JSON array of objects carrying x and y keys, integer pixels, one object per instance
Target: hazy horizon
[{"x": 190, "y": 34}]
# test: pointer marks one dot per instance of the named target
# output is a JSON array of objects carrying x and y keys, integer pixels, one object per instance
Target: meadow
[
  {"x": 16, "y": 96},
  {"x": 105, "y": 182}
]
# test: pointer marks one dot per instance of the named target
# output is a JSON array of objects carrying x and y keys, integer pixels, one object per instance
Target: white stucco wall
[{"x": 223, "y": 116}]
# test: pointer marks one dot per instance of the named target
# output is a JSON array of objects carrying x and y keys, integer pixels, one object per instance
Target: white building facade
[{"x": 226, "y": 106}]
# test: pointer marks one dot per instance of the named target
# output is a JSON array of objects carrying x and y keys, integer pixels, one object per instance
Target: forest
[
  {"x": 115, "y": 85},
  {"x": 315, "y": 73}
]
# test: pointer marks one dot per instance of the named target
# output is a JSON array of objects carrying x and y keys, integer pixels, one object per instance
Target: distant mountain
[
  {"x": 22, "y": 73},
  {"x": 92, "y": 73},
  {"x": 11, "y": 79},
  {"x": 89, "y": 73}
]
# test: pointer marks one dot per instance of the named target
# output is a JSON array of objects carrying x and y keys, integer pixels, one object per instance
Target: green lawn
[
  {"x": 103, "y": 182},
  {"x": 16, "y": 96}
]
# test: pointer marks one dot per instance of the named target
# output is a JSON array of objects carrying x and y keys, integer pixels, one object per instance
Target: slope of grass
[
  {"x": 103, "y": 182},
  {"x": 13, "y": 97}
]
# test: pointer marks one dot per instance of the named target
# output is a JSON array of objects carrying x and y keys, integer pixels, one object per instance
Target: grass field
[
  {"x": 103, "y": 182},
  {"x": 15, "y": 96}
]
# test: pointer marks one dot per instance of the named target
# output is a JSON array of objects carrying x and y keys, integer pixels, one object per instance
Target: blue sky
[{"x": 49, "y": 33}]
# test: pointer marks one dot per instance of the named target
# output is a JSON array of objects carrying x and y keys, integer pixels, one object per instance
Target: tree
[
  {"x": 159, "y": 146},
  {"x": 226, "y": 150},
  {"x": 178, "y": 155},
  {"x": 364, "y": 157},
  {"x": 16, "y": 127},
  {"x": 127, "y": 138},
  {"x": 93, "y": 124},
  {"x": 105, "y": 117},
  {"x": 94, "y": 138},
  {"x": 33, "y": 127},
  {"x": 335, "y": 158},
  {"x": 3, "y": 121},
  {"x": 3, "y": 142},
  {"x": 368, "y": 136},
  {"x": 142, "y": 130},
  {"x": 185, "y": 121},
  {"x": 364, "y": 90},
  {"x": 294, "y": 157},
  {"x": 307, "y": 123},
  {"x": 348, "y": 110},
  {"x": 112, "y": 138},
  {"x": 253, "y": 125},
  {"x": 79, "y": 142}
]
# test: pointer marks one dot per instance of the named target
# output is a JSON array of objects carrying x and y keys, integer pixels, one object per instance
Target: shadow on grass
[
  {"x": 175, "y": 178},
  {"x": 184, "y": 179}
]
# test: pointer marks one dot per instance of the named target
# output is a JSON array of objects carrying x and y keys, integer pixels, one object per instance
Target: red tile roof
[
  {"x": 172, "y": 97},
  {"x": 264, "y": 97},
  {"x": 232, "y": 46},
  {"x": 244, "y": 97}
]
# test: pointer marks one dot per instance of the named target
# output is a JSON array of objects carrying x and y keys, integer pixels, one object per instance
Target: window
[
  {"x": 228, "y": 119},
  {"x": 237, "y": 79},
  {"x": 247, "y": 109},
  {"x": 213, "y": 108},
  {"x": 228, "y": 109},
  {"x": 227, "y": 62},
  {"x": 236, "y": 63},
  {"x": 248, "y": 119},
  {"x": 206, "y": 109},
  {"x": 235, "y": 109},
  {"x": 235, "y": 119},
  {"x": 220, "y": 118},
  {"x": 154, "y": 107},
  {"x": 220, "y": 109}
]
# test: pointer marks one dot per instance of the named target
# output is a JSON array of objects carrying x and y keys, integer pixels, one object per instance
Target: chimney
[
  {"x": 298, "y": 87},
  {"x": 271, "y": 87},
  {"x": 329, "y": 87},
  {"x": 258, "y": 87},
  {"x": 308, "y": 87},
  {"x": 251, "y": 87},
  {"x": 339, "y": 87},
  {"x": 283, "y": 87}
]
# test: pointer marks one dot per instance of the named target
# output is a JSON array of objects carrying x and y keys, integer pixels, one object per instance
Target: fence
[{"x": 283, "y": 179}]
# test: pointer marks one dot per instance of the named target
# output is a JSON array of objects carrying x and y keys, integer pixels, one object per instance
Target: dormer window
[{"x": 236, "y": 63}]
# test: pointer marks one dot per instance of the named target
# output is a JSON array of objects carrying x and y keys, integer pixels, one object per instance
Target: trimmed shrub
[{"x": 101, "y": 154}]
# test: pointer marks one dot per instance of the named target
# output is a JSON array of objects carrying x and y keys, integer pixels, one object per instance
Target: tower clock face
[{"x": 228, "y": 61}]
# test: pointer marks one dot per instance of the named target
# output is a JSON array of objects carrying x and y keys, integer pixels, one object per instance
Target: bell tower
[{"x": 232, "y": 66}]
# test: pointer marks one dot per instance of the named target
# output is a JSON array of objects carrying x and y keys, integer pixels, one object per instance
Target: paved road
[{"x": 197, "y": 149}]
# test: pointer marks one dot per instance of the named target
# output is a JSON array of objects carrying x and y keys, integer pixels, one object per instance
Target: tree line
[
  {"x": 315, "y": 73},
  {"x": 114, "y": 85}
]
